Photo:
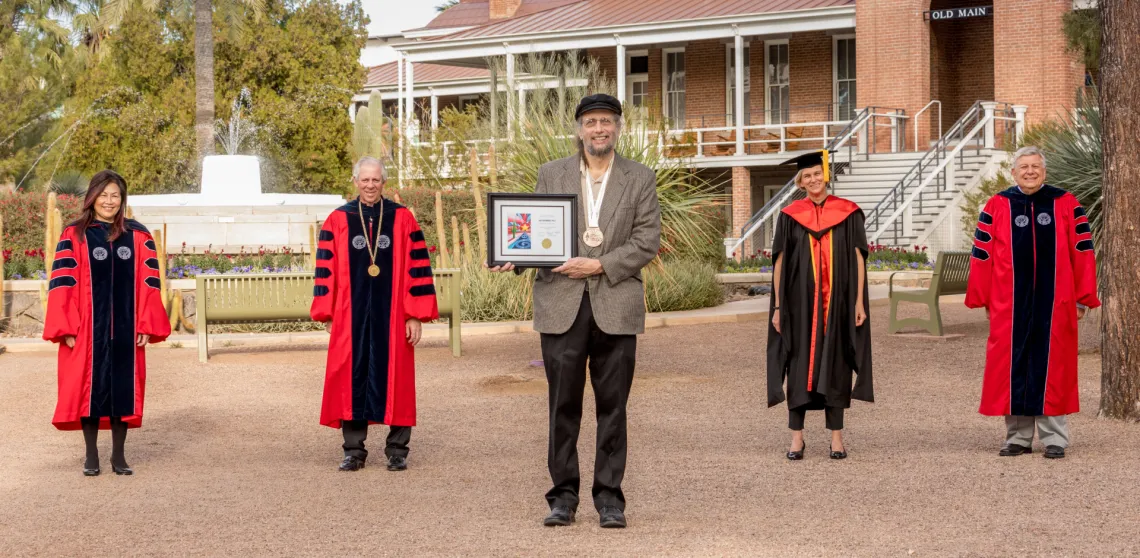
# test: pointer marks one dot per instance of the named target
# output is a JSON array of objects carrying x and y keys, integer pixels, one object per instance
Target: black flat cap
[{"x": 598, "y": 101}]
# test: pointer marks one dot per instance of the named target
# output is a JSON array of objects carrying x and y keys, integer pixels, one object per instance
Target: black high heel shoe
[
  {"x": 121, "y": 470},
  {"x": 90, "y": 472},
  {"x": 838, "y": 454},
  {"x": 797, "y": 455}
]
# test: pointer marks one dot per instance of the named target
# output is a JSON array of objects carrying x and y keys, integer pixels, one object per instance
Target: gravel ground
[{"x": 231, "y": 461}]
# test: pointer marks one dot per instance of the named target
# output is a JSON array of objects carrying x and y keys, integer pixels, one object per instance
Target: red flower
[{"x": 431, "y": 249}]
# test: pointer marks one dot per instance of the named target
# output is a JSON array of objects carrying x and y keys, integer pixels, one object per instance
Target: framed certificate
[{"x": 531, "y": 230}]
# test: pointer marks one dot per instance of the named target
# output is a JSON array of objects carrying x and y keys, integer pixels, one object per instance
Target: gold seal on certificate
[{"x": 593, "y": 237}]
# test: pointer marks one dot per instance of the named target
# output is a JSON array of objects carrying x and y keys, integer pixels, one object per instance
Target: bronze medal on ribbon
[{"x": 593, "y": 237}]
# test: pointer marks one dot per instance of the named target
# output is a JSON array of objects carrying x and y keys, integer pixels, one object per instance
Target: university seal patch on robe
[
  {"x": 370, "y": 374},
  {"x": 104, "y": 294},
  {"x": 1032, "y": 263}
]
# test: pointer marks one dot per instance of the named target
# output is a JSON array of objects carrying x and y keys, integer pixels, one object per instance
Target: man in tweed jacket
[{"x": 592, "y": 307}]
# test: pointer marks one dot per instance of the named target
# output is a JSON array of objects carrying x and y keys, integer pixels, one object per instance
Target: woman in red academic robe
[
  {"x": 819, "y": 335},
  {"x": 104, "y": 306}
]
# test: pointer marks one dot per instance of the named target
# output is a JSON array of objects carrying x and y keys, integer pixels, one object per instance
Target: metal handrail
[
  {"x": 919, "y": 113},
  {"x": 913, "y": 181},
  {"x": 788, "y": 190}
]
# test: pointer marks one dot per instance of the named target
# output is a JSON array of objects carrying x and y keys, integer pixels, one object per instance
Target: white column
[
  {"x": 988, "y": 109},
  {"x": 410, "y": 105},
  {"x": 738, "y": 102},
  {"x": 510, "y": 95},
  {"x": 434, "y": 110},
  {"x": 621, "y": 70},
  {"x": 1019, "y": 127},
  {"x": 522, "y": 106},
  {"x": 352, "y": 111},
  {"x": 399, "y": 155}
]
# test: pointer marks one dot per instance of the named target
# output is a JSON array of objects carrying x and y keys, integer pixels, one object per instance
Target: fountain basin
[{"x": 231, "y": 212}]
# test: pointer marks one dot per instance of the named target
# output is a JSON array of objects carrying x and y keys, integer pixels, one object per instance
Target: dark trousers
[
  {"x": 355, "y": 431},
  {"x": 833, "y": 416},
  {"x": 611, "y": 360}
]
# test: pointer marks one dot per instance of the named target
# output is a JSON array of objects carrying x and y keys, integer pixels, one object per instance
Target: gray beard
[{"x": 599, "y": 152}]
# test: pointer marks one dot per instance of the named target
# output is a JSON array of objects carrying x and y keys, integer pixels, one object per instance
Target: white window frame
[
  {"x": 767, "y": 82},
  {"x": 474, "y": 99},
  {"x": 835, "y": 72},
  {"x": 631, "y": 78},
  {"x": 665, "y": 52},
  {"x": 730, "y": 81}
]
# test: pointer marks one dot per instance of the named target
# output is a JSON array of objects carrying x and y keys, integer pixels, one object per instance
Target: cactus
[
  {"x": 313, "y": 246},
  {"x": 368, "y": 130},
  {"x": 456, "y": 252},
  {"x": 480, "y": 213},
  {"x": 441, "y": 232}
]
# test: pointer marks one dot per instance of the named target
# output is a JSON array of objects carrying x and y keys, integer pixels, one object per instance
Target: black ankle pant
[{"x": 833, "y": 416}]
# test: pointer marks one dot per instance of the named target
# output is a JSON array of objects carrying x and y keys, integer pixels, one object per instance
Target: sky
[{"x": 392, "y": 16}]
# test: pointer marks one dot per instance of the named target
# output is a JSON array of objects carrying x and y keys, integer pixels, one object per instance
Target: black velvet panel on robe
[
  {"x": 843, "y": 348},
  {"x": 112, "y": 267},
  {"x": 371, "y": 308},
  {"x": 1034, "y": 286}
]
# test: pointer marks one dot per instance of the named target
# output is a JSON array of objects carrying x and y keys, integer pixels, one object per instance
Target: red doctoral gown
[
  {"x": 104, "y": 294},
  {"x": 371, "y": 372},
  {"x": 1032, "y": 264}
]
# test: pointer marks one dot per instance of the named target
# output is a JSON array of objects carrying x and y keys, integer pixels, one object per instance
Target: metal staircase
[{"x": 916, "y": 200}]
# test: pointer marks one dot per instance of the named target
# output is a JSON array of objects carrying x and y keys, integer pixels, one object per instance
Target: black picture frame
[{"x": 567, "y": 210}]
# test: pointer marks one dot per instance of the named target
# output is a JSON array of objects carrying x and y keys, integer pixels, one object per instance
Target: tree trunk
[
  {"x": 1120, "y": 283},
  {"x": 204, "y": 76}
]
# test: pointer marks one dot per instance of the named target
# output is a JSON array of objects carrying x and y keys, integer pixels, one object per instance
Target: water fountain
[{"x": 230, "y": 211}]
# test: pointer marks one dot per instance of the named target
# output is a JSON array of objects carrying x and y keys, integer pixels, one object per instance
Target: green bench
[
  {"x": 951, "y": 271},
  {"x": 286, "y": 297}
]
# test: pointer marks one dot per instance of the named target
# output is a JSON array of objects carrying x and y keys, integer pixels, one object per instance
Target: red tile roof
[
  {"x": 386, "y": 74},
  {"x": 586, "y": 14},
  {"x": 478, "y": 12}
]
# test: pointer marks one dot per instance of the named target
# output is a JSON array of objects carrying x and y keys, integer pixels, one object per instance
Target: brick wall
[
  {"x": 893, "y": 54},
  {"x": 962, "y": 59},
  {"x": 1031, "y": 65}
]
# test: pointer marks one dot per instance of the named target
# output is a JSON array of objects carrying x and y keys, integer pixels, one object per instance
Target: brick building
[{"x": 916, "y": 95}]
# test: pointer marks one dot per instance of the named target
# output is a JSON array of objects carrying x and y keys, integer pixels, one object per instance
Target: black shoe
[
  {"x": 611, "y": 517},
  {"x": 351, "y": 463},
  {"x": 560, "y": 516},
  {"x": 90, "y": 472},
  {"x": 1013, "y": 450},
  {"x": 1054, "y": 452},
  {"x": 121, "y": 470},
  {"x": 397, "y": 463},
  {"x": 837, "y": 454},
  {"x": 797, "y": 455}
]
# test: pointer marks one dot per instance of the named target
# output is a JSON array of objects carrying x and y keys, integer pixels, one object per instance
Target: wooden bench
[
  {"x": 286, "y": 297},
  {"x": 950, "y": 274}
]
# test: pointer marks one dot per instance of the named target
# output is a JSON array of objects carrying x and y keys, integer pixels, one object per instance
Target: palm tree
[
  {"x": 444, "y": 6},
  {"x": 112, "y": 14}
]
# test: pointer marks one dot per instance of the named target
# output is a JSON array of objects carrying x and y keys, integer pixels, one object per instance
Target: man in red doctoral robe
[
  {"x": 1034, "y": 271},
  {"x": 374, "y": 283}
]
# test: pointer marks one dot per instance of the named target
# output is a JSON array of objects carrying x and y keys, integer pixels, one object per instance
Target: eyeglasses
[{"x": 605, "y": 122}]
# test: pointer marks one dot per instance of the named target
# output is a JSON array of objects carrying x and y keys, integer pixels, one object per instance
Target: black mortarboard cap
[{"x": 811, "y": 159}]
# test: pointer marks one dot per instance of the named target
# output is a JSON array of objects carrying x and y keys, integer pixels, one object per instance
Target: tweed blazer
[{"x": 630, "y": 219}]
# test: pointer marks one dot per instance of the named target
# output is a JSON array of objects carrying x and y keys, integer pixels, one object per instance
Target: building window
[
  {"x": 846, "y": 104},
  {"x": 467, "y": 101},
  {"x": 777, "y": 79},
  {"x": 730, "y": 75},
  {"x": 674, "y": 87},
  {"x": 637, "y": 78}
]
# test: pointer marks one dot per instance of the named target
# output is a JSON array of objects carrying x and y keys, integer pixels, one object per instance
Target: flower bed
[{"x": 879, "y": 258}]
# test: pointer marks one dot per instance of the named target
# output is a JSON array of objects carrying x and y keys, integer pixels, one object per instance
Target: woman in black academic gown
[{"x": 819, "y": 334}]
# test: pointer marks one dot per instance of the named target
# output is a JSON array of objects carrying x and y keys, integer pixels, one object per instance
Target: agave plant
[{"x": 1074, "y": 155}]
